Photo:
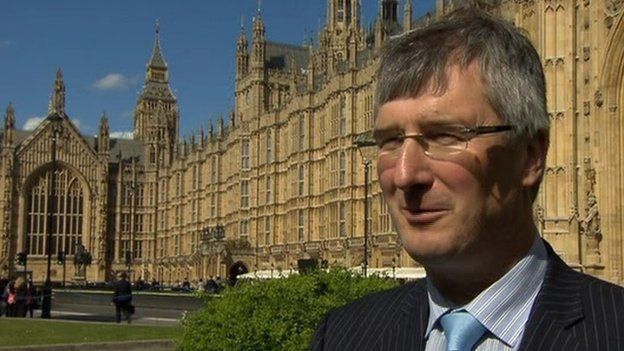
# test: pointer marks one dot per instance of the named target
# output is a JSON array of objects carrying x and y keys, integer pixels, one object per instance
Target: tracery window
[
  {"x": 245, "y": 154},
  {"x": 68, "y": 205}
]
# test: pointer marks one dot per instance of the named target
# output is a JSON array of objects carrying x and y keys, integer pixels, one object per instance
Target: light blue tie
[{"x": 462, "y": 330}]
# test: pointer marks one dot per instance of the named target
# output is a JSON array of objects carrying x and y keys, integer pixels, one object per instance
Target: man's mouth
[{"x": 423, "y": 215}]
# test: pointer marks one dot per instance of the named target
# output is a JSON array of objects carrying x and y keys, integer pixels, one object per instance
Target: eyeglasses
[{"x": 437, "y": 141}]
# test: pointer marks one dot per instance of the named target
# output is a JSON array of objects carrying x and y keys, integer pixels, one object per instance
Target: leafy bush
[{"x": 280, "y": 314}]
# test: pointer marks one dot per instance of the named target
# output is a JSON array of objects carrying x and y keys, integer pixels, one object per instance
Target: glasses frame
[{"x": 466, "y": 133}]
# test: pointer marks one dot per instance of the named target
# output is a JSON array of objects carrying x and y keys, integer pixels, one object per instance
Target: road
[{"x": 151, "y": 309}]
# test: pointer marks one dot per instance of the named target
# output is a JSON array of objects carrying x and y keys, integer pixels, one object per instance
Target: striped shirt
[{"x": 503, "y": 308}]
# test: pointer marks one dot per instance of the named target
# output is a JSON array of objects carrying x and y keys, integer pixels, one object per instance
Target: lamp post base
[{"x": 46, "y": 304}]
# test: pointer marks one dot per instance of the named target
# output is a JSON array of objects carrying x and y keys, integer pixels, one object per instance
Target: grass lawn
[{"x": 23, "y": 332}]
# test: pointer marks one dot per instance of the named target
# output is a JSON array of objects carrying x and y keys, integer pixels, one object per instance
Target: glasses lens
[{"x": 440, "y": 151}]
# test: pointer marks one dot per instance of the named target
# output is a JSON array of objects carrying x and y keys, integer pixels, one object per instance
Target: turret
[
  {"x": 440, "y": 4},
  {"x": 220, "y": 130},
  {"x": 156, "y": 117},
  {"x": 103, "y": 136},
  {"x": 311, "y": 71},
  {"x": 258, "y": 56},
  {"x": 387, "y": 22},
  {"x": 9, "y": 126},
  {"x": 211, "y": 131},
  {"x": 258, "y": 51},
  {"x": 57, "y": 101},
  {"x": 389, "y": 11},
  {"x": 200, "y": 138},
  {"x": 242, "y": 57},
  {"x": 232, "y": 119},
  {"x": 407, "y": 16},
  {"x": 343, "y": 15}
]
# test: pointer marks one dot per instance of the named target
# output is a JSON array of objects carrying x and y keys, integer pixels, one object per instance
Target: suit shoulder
[
  {"x": 596, "y": 286},
  {"x": 359, "y": 324}
]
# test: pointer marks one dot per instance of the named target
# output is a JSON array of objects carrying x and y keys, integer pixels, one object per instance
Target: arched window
[{"x": 67, "y": 205}]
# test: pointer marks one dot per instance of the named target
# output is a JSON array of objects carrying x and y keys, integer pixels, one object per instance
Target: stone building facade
[{"x": 282, "y": 180}]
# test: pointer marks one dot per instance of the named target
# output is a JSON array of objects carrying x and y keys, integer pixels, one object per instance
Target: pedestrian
[
  {"x": 211, "y": 286},
  {"x": 462, "y": 131},
  {"x": 10, "y": 297},
  {"x": 4, "y": 282},
  {"x": 122, "y": 298},
  {"x": 31, "y": 297},
  {"x": 21, "y": 297}
]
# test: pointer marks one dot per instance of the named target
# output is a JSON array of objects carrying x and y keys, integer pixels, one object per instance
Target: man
[
  {"x": 122, "y": 298},
  {"x": 463, "y": 133}
]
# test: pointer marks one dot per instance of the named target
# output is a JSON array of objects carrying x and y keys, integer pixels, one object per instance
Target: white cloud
[
  {"x": 32, "y": 123},
  {"x": 76, "y": 123},
  {"x": 122, "y": 135},
  {"x": 114, "y": 81},
  {"x": 127, "y": 114}
]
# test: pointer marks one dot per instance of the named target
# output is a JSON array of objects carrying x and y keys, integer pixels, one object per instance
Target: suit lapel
[
  {"x": 557, "y": 307},
  {"x": 409, "y": 328}
]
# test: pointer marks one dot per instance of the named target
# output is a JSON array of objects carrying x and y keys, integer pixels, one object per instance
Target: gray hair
[{"x": 509, "y": 64}]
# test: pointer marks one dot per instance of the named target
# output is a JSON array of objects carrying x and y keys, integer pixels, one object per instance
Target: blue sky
[{"x": 103, "y": 47}]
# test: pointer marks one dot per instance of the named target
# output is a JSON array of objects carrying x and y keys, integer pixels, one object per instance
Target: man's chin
[{"x": 433, "y": 253}]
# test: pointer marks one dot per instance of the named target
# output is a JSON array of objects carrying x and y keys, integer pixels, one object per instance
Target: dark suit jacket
[
  {"x": 123, "y": 292},
  {"x": 572, "y": 311}
]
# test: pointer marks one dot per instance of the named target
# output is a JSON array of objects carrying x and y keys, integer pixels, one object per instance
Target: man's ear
[{"x": 535, "y": 165}]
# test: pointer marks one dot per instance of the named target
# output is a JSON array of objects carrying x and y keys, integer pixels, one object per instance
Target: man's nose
[{"x": 412, "y": 166}]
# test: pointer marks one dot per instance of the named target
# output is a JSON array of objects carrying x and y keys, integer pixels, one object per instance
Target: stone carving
[
  {"x": 614, "y": 7},
  {"x": 574, "y": 214},
  {"x": 540, "y": 217},
  {"x": 598, "y": 98},
  {"x": 590, "y": 224}
]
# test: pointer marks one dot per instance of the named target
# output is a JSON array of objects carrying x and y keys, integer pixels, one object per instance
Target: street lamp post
[
  {"x": 46, "y": 304},
  {"x": 365, "y": 142}
]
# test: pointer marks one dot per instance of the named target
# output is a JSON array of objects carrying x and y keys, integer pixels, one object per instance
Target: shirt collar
[{"x": 504, "y": 307}]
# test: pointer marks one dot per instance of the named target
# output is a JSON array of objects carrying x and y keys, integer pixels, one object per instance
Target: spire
[
  {"x": 407, "y": 15},
  {"x": 103, "y": 138},
  {"x": 242, "y": 57},
  {"x": 200, "y": 137},
  {"x": 104, "y": 129},
  {"x": 258, "y": 49},
  {"x": 311, "y": 72},
  {"x": 9, "y": 126},
  {"x": 389, "y": 10},
  {"x": 258, "y": 26},
  {"x": 156, "y": 114},
  {"x": 9, "y": 121},
  {"x": 220, "y": 129},
  {"x": 57, "y": 102},
  {"x": 232, "y": 119},
  {"x": 157, "y": 60}
]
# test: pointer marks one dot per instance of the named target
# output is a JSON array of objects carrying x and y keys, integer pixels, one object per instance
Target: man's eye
[
  {"x": 444, "y": 138},
  {"x": 390, "y": 143}
]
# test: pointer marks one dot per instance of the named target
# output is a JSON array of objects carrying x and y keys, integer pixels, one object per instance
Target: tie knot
[{"x": 462, "y": 330}]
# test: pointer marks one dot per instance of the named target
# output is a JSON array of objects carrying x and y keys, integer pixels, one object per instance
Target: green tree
[{"x": 279, "y": 314}]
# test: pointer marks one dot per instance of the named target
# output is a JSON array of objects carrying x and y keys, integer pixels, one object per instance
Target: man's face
[{"x": 454, "y": 209}]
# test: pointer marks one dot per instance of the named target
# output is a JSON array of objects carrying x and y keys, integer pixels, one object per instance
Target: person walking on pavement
[
  {"x": 31, "y": 297},
  {"x": 122, "y": 298}
]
